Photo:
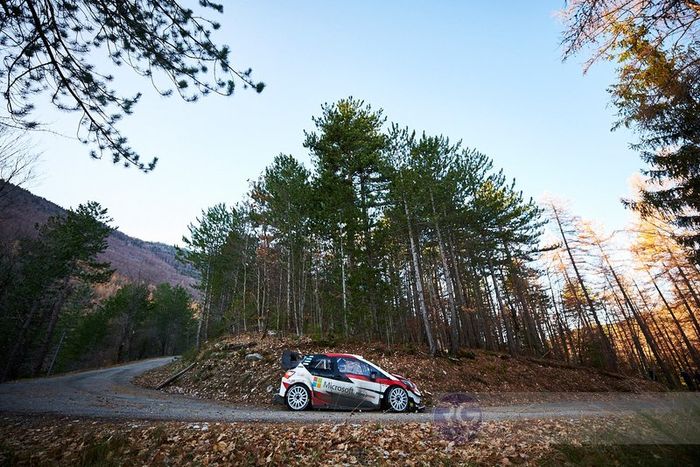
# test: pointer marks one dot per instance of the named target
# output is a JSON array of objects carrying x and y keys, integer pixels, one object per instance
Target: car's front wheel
[
  {"x": 298, "y": 398},
  {"x": 397, "y": 399}
]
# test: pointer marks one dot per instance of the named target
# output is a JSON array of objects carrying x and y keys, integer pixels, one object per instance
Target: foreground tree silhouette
[{"x": 48, "y": 48}]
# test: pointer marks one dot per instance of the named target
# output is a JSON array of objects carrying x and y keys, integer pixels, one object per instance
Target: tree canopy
[
  {"x": 387, "y": 236},
  {"x": 656, "y": 45}
]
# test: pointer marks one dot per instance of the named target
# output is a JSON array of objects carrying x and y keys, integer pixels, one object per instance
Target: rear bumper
[{"x": 277, "y": 399}]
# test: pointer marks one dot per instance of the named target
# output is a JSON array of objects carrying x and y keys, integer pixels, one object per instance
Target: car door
[
  {"x": 322, "y": 369},
  {"x": 366, "y": 392},
  {"x": 339, "y": 388}
]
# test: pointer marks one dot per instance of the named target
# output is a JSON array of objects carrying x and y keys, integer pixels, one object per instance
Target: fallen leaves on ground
[{"x": 64, "y": 441}]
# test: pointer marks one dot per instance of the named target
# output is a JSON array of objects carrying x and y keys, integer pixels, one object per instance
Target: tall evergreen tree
[
  {"x": 203, "y": 250},
  {"x": 656, "y": 44},
  {"x": 660, "y": 97},
  {"x": 350, "y": 184},
  {"x": 281, "y": 209}
]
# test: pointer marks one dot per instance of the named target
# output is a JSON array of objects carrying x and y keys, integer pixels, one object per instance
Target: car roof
[
  {"x": 343, "y": 355},
  {"x": 352, "y": 355}
]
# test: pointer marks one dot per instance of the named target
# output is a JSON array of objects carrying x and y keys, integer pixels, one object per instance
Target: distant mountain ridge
[{"x": 134, "y": 259}]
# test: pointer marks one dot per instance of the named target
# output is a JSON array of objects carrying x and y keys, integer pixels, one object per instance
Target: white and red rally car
[{"x": 345, "y": 381}]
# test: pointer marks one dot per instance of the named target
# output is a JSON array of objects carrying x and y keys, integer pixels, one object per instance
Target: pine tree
[
  {"x": 656, "y": 45},
  {"x": 203, "y": 250},
  {"x": 282, "y": 211},
  {"x": 350, "y": 185}
]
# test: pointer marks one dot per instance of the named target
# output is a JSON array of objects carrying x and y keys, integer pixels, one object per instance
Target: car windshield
[{"x": 377, "y": 368}]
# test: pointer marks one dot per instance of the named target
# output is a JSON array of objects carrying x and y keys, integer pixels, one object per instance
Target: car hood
[{"x": 399, "y": 377}]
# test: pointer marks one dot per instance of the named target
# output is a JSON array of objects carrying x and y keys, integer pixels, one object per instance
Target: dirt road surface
[{"x": 109, "y": 393}]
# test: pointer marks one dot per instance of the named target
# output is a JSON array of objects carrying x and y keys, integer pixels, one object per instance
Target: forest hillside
[
  {"x": 133, "y": 259},
  {"x": 76, "y": 293}
]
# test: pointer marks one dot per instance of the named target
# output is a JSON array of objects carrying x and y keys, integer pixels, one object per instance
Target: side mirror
[{"x": 373, "y": 375}]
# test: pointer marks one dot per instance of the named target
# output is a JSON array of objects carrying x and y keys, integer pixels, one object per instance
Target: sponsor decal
[
  {"x": 331, "y": 386},
  {"x": 318, "y": 383}
]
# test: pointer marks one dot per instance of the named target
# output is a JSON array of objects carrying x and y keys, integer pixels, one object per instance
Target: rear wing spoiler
[{"x": 291, "y": 359}]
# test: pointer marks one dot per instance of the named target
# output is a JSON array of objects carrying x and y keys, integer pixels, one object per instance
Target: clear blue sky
[{"x": 488, "y": 73}]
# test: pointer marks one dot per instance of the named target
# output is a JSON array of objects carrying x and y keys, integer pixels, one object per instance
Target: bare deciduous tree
[{"x": 17, "y": 161}]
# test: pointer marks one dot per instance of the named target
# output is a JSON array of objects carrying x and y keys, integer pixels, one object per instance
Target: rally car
[{"x": 345, "y": 381}]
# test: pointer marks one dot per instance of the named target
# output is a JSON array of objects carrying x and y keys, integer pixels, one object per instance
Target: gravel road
[{"x": 109, "y": 393}]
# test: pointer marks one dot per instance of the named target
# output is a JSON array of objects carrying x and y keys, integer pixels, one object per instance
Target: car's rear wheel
[
  {"x": 298, "y": 398},
  {"x": 397, "y": 399}
]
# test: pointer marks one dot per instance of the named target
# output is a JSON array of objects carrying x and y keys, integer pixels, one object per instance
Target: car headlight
[{"x": 408, "y": 383}]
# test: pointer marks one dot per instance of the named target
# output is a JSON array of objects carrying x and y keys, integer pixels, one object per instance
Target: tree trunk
[
  {"x": 691, "y": 348},
  {"x": 531, "y": 333},
  {"x": 454, "y": 326},
  {"x": 510, "y": 337},
  {"x": 668, "y": 374},
  {"x": 419, "y": 282},
  {"x": 644, "y": 363},
  {"x": 55, "y": 354},
  {"x": 681, "y": 295},
  {"x": 53, "y": 320},
  {"x": 342, "y": 276},
  {"x": 611, "y": 358}
]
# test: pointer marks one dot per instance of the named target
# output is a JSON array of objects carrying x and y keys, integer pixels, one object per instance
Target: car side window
[
  {"x": 365, "y": 368},
  {"x": 353, "y": 367},
  {"x": 320, "y": 365}
]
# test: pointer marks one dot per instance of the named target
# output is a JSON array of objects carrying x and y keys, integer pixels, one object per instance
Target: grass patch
[
  {"x": 632, "y": 454},
  {"x": 103, "y": 452},
  {"x": 190, "y": 355},
  {"x": 7, "y": 455}
]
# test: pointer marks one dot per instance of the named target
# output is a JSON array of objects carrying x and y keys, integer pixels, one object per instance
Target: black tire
[
  {"x": 397, "y": 399},
  {"x": 298, "y": 398}
]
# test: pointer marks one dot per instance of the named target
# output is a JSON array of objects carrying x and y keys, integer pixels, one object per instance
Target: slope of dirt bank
[{"x": 222, "y": 372}]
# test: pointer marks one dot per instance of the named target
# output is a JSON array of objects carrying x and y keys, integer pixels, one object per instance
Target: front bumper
[
  {"x": 415, "y": 406},
  {"x": 415, "y": 402}
]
